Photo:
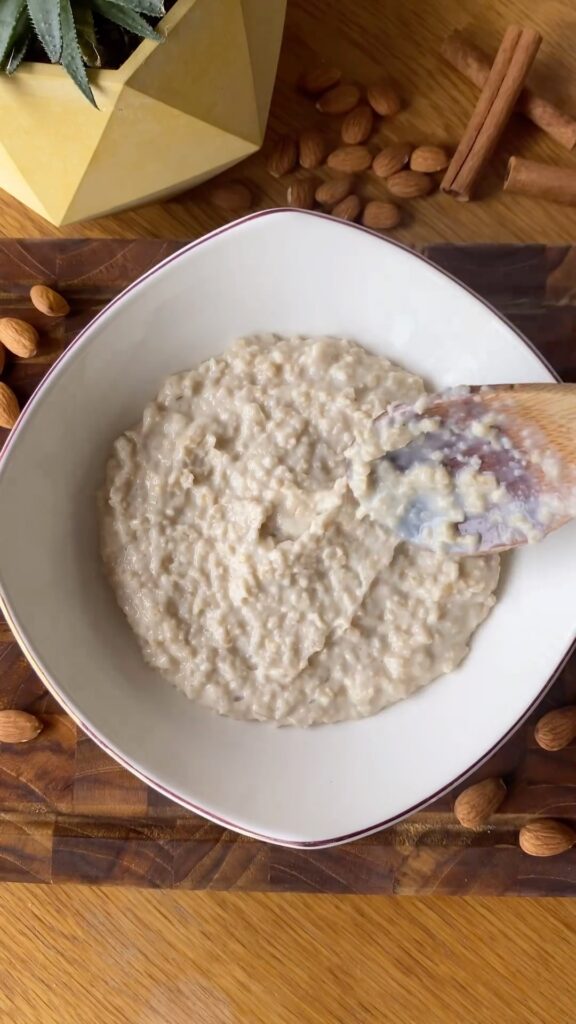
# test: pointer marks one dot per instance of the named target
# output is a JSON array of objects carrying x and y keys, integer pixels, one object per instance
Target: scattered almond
[
  {"x": 283, "y": 157},
  {"x": 312, "y": 149},
  {"x": 429, "y": 159},
  {"x": 391, "y": 159},
  {"x": 301, "y": 193},
  {"x": 350, "y": 159},
  {"x": 409, "y": 184},
  {"x": 381, "y": 216},
  {"x": 357, "y": 125},
  {"x": 348, "y": 208},
  {"x": 2, "y": 357},
  {"x": 556, "y": 729},
  {"x": 232, "y": 196},
  {"x": 320, "y": 78},
  {"x": 477, "y": 803},
  {"x": 339, "y": 100},
  {"x": 333, "y": 191},
  {"x": 9, "y": 408},
  {"x": 384, "y": 99},
  {"x": 18, "y": 726},
  {"x": 544, "y": 837},
  {"x": 48, "y": 301},
  {"x": 19, "y": 337}
]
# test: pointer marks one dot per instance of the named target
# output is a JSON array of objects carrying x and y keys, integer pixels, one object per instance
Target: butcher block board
[{"x": 68, "y": 813}]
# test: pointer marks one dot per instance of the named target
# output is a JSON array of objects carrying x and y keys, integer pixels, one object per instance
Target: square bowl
[{"x": 289, "y": 272}]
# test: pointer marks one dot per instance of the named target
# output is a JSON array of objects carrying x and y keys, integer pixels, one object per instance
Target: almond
[
  {"x": 381, "y": 216},
  {"x": 391, "y": 159},
  {"x": 477, "y": 803},
  {"x": 283, "y": 157},
  {"x": 348, "y": 208},
  {"x": 19, "y": 337},
  {"x": 409, "y": 184},
  {"x": 544, "y": 837},
  {"x": 312, "y": 149},
  {"x": 301, "y": 193},
  {"x": 18, "y": 726},
  {"x": 48, "y": 301},
  {"x": 2, "y": 357},
  {"x": 9, "y": 408},
  {"x": 429, "y": 159},
  {"x": 384, "y": 99},
  {"x": 333, "y": 191},
  {"x": 556, "y": 729},
  {"x": 357, "y": 125},
  {"x": 320, "y": 78},
  {"x": 232, "y": 196},
  {"x": 339, "y": 100},
  {"x": 350, "y": 159}
]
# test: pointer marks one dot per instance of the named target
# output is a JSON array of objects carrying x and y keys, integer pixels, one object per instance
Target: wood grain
[
  {"x": 128, "y": 957},
  {"x": 68, "y": 813},
  {"x": 401, "y": 38}
]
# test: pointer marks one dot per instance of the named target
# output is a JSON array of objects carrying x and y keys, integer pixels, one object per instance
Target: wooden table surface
[{"x": 134, "y": 957}]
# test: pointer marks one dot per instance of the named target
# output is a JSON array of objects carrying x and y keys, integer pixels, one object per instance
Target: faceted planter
[{"x": 174, "y": 114}]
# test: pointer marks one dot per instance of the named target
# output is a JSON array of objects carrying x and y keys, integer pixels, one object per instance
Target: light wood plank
[
  {"x": 402, "y": 38},
  {"x": 129, "y": 957}
]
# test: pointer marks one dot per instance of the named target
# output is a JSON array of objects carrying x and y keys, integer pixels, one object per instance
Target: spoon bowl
[{"x": 476, "y": 469}]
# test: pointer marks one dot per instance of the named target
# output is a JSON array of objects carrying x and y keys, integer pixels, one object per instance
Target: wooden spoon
[{"x": 477, "y": 469}]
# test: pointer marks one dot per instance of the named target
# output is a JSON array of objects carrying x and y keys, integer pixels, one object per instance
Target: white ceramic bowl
[{"x": 289, "y": 272}]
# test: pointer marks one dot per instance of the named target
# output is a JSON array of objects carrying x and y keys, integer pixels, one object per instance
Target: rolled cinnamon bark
[
  {"x": 529, "y": 178},
  {"x": 495, "y": 104},
  {"x": 473, "y": 63}
]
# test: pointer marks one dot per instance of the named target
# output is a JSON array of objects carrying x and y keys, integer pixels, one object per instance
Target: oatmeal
[{"x": 240, "y": 555}]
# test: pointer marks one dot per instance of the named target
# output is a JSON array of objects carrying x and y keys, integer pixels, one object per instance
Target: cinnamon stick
[
  {"x": 473, "y": 63},
  {"x": 492, "y": 112},
  {"x": 529, "y": 178}
]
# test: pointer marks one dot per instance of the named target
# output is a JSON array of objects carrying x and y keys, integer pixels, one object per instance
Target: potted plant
[{"x": 94, "y": 119}]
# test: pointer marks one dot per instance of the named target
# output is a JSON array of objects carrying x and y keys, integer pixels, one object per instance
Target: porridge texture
[{"x": 242, "y": 559}]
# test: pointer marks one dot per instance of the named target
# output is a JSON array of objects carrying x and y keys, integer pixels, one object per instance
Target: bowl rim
[{"x": 69, "y": 707}]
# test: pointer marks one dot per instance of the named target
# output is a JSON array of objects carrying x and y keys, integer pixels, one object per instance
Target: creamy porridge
[{"x": 241, "y": 557}]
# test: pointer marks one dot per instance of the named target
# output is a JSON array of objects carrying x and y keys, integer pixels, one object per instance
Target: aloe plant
[{"x": 71, "y": 31}]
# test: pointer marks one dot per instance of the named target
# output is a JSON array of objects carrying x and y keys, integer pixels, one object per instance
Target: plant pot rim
[{"x": 116, "y": 76}]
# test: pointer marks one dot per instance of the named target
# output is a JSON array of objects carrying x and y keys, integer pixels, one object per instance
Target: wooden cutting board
[{"x": 68, "y": 813}]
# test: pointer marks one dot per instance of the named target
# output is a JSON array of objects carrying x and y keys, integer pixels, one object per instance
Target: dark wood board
[{"x": 68, "y": 813}]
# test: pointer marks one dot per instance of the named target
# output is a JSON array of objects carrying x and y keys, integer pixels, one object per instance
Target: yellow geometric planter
[{"x": 173, "y": 115}]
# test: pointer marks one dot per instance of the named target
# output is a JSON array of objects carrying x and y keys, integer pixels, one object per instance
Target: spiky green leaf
[
  {"x": 71, "y": 57},
  {"x": 154, "y": 8},
  {"x": 45, "y": 15},
  {"x": 16, "y": 55},
  {"x": 127, "y": 18},
  {"x": 13, "y": 17},
  {"x": 87, "y": 41}
]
